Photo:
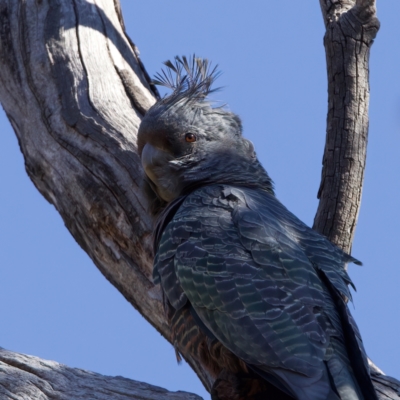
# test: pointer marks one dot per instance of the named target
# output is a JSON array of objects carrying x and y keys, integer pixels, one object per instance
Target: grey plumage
[{"x": 256, "y": 280}]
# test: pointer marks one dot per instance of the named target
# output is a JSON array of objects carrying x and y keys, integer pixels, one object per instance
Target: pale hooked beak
[
  {"x": 152, "y": 157},
  {"x": 155, "y": 163}
]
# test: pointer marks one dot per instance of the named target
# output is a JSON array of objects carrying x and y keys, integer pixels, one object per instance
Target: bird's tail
[
  {"x": 301, "y": 387},
  {"x": 344, "y": 380}
]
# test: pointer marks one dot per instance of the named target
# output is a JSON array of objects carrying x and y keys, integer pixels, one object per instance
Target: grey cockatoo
[{"x": 254, "y": 294}]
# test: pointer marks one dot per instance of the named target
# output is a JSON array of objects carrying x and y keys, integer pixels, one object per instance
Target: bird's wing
[
  {"x": 248, "y": 276},
  {"x": 328, "y": 261}
]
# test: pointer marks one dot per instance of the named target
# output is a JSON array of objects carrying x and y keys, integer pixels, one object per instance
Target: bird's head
[{"x": 184, "y": 142}]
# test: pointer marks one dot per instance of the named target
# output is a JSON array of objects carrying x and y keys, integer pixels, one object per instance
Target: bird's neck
[{"x": 232, "y": 170}]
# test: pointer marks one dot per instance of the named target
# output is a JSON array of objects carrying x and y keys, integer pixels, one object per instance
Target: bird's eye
[{"x": 190, "y": 137}]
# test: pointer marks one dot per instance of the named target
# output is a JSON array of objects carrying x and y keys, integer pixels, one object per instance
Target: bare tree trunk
[{"x": 74, "y": 90}]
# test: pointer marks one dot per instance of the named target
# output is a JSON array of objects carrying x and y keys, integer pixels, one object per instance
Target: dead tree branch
[
  {"x": 23, "y": 377},
  {"x": 350, "y": 30},
  {"x": 74, "y": 90},
  {"x": 351, "y": 27}
]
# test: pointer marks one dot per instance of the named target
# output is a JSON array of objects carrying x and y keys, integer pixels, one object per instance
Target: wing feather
[{"x": 250, "y": 270}]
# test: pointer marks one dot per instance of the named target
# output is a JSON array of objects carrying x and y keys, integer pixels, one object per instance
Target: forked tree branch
[{"x": 74, "y": 90}]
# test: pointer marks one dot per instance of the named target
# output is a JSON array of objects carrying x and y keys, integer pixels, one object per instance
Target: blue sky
[{"x": 56, "y": 305}]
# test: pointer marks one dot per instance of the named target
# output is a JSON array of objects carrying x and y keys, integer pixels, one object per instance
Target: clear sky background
[{"x": 56, "y": 305}]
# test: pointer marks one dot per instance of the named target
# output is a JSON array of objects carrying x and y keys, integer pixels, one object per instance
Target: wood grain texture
[
  {"x": 74, "y": 90},
  {"x": 26, "y": 377},
  {"x": 351, "y": 27}
]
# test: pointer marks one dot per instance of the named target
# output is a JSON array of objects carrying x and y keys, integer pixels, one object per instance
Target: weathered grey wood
[
  {"x": 351, "y": 27},
  {"x": 76, "y": 128},
  {"x": 74, "y": 90},
  {"x": 26, "y": 377}
]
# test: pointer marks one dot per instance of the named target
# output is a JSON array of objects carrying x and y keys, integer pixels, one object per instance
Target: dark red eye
[{"x": 190, "y": 137}]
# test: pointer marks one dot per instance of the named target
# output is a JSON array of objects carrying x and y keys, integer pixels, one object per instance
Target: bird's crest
[{"x": 191, "y": 78}]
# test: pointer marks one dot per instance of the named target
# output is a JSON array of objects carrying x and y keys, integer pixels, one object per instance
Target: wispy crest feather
[{"x": 190, "y": 78}]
